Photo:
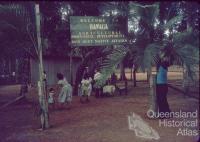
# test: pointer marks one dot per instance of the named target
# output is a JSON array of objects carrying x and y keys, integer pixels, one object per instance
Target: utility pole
[{"x": 41, "y": 86}]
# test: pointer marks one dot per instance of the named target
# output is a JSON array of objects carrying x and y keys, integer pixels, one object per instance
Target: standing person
[
  {"x": 98, "y": 88},
  {"x": 86, "y": 89},
  {"x": 87, "y": 76},
  {"x": 113, "y": 79},
  {"x": 86, "y": 86},
  {"x": 65, "y": 88},
  {"x": 161, "y": 85}
]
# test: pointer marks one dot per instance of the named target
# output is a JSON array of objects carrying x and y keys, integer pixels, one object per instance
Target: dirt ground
[{"x": 101, "y": 120}]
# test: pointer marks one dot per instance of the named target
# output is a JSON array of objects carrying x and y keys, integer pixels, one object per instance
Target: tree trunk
[
  {"x": 79, "y": 74},
  {"x": 153, "y": 107},
  {"x": 186, "y": 80},
  {"x": 70, "y": 67},
  {"x": 122, "y": 71},
  {"x": 131, "y": 74},
  {"x": 185, "y": 83},
  {"x": 149, "y": 75},
  {"x": 134, "y": 77},
  {"x": 17, "y": 70},
  {"x": 41, "y": 86},
  {"x": 24, "y": 76}
]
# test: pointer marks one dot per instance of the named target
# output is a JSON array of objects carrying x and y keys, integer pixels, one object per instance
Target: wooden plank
[
  {"x": 180, "y": 91},
  {"x": 177, "y": 89},
  {"x": 11, "y": 102}
]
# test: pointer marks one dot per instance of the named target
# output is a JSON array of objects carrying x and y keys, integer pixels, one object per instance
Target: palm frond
[
  {"x": 183, "y": 49},
  {"x": 109, "y": 7},
  {"x": 144, "y": 58},
  {"x": 170, "y": 24},
  {"x": 147, "y": 13},
  {"x": 186, "y": 37},
  {"x": 110, "y": 62}
]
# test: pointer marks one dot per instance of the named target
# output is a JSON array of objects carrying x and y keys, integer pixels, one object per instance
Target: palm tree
[
  {"x": 112, "y": 56},
  {"x": 145, "y": 48},
  {"x": 115, "y": 9},
  {"x": 190, "y": 12},
  {"x": 180, "y": 41}
]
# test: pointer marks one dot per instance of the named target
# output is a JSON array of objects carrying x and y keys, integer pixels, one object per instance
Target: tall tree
[{"x": 20, "y": 18}]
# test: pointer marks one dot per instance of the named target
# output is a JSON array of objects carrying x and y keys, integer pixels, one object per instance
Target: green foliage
[
  {"x": 108, "y": 8},
  {"x": 16, "y": 26},
  {"x": 171, "y": 23},
  {"x": 15, "y": 22},
  {"x": 110, "y": 62},
  {"x": 181, "y": 48},
  {"x": 185, "y": 37},
  {"x": 147, "y": 13},
  {"x": 144, "y": 50}
]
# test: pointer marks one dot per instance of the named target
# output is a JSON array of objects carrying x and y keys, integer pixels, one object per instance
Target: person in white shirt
[
  {"x": 65, "y": 88},
  {"x": 86, "y": 86},
  {"x": 98, "y": 88}
]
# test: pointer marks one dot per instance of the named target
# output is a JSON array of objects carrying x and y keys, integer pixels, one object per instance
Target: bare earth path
[{"x": 101, "y": 120}]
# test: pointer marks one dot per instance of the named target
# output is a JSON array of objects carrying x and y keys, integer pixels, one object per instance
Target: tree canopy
[{"x": 152, "y": 26}]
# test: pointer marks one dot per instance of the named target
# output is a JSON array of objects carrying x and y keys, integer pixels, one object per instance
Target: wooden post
[
  {"x": 70, "y": 67},
  {"x": 149, "y": 74},
  {"x": 41, "y": 87},
  {"x": 153, "y": 108},
  {"x": 131, "y": 74},
  {"x": 185, "y": 84},
  {"x": 134, "y": 78}
]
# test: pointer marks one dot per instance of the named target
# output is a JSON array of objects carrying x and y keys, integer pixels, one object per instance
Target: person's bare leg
[{"x": 87, "y": 99}]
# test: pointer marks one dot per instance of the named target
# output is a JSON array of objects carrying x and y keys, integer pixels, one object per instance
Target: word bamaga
[{"x": 98, "y": 26}]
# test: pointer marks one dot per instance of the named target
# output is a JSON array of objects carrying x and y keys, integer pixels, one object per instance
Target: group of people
[
  {"x": 85, "y": 88},
  {"x": 65, "y": 93},
  {"x": 65, "y": 90}
]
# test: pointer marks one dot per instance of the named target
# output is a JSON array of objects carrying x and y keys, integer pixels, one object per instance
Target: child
[{"x": 51, "y": 98}]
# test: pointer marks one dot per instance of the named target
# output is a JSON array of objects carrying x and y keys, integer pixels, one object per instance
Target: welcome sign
[{"x": 98, "y": 31}]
